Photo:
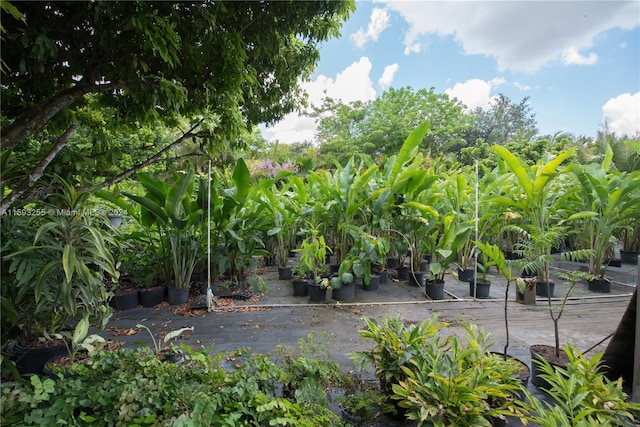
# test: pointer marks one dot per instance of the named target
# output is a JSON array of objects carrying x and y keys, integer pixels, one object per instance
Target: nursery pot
[
  {"x": 466, "y": 274},
  {"x": 403, "y": 272},
  {"x": 601, "y": 285},
  {"x": 629, "y": 257},
  {"x": 384, "y": 276},
  {"x": 125, "y": 301},
  {"x": 481, "y": 288},
  {"x": 542, "y": 291},
  {"x": 544, "y": 352},
  {"x": 317, "y": 293},
  {"x": 300, "y": 288},
  {"x": 177, "y": 296},
  {"x": 345, "y": 293},
  {"x": 435, "y": 290},
  {"x": 31, "y": 360},
  {"x": 392, "y": 262},
  {"x": 151, "y": 297},
  {"x": 284, "y": 273},
  {"x": 416, "y": 278},
  {"x": 373, "y": 283}
]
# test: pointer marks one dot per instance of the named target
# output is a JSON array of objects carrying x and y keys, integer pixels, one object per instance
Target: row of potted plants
[{"x": 365, "y": 211}]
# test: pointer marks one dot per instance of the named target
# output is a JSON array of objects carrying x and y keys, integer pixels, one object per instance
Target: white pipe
[{"x": 379, "y": 303}]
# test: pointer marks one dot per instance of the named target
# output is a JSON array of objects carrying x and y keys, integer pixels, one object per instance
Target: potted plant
[
  {"x": 630, "y": 238},
  {"x": 454, "y": 382},
  {"x": 606, "y": 200},
  {"x": 581, "y": 395},
  {"x": 343, "y": 287},
  {"x": 534, "y": 199},
  {"x": 553, "y": 354},
  {"x": 283, "y": 209},
  {"x": 452, "y": 235},
  {"x": 51, "y": 279},
  {"x": 494, "y": 256},
  {"x": 396, "y": 343},
  {"x": 300, "y": 276},
  {"x": 313, "y": 251},
  {"x": 175, "y": 210}
]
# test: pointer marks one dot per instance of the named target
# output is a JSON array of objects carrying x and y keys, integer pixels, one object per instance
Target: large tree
[
  {"x": 502, "y": 122},
  {"x": 379, "y": 127},
  {"x": 226, "y": 65}
]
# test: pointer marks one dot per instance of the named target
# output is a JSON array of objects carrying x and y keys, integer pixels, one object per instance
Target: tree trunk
[
  {"x": 38, "y": 116},
  {"x": 38, "y": 171},
  {"x": 150, "y": 160}
]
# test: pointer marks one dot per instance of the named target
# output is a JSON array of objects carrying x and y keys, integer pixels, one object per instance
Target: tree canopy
[
  {"x": 379, "y": 127},
  {"x": 223, "y": 66}
]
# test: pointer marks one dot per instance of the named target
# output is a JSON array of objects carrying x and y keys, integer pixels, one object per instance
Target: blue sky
[{"x": 577, "y": 61}]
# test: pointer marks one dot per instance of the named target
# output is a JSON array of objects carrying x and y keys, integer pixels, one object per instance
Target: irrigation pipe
[{"x": 381, "y": 303}]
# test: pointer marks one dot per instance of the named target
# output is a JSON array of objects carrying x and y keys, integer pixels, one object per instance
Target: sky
[{"x": 577, "y": 61}]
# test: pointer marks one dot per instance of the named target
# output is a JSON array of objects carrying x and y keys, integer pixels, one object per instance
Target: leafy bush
[
  {"x": 582, "y": 395},
  {"x": 135, "y": 387}
]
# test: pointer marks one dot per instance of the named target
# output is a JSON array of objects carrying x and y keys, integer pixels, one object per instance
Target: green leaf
[
  {"x": 68, "y": 261},
  {"x": 178, "y": 194},
  {"x": 81, "y": 330}
]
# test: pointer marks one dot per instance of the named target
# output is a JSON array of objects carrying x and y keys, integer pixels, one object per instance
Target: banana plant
[
  {"x": 534, "y": 198},
  {"x": 345, "y": 195},
  {"x": 607, "y": 199},
  {"x": 283, "y": 203},
  {"x": 175, "y": 211},
  {"x": 451, "y": 236}
]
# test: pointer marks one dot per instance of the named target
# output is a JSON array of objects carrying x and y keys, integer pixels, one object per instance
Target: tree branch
[
  {"x": 38, "y": 116},
  {"x": 151, "y": 160},
  {"x": 38, "y": 171}
]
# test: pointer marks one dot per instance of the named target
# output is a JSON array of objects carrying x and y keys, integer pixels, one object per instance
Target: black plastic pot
[
  {"x": 32, "y": 360},
  {"x": 317, "y": 293},
  {"x": 629, "y": 257},
  {"x": 403, "y": 272},
  {"x": 482, "y": 288},
  {"x": 125, "y": 301},
  {"x": 177, "y": 296},
  {"x": 346, "y": 293},
  {"x": 435, "y": 290},
  {"x": 384, "y": 276},
  {"x": 601, "y": 285},
  {"x": 151, "y": 297},
  {"x": 393, "y": 262},
  {"x": 373, "y": 283},
  {"x": 466, "y": 275},
  {"x": 300, "y": 288},
  {"x": 285, "y": 273},
  {"x": 543, "y": 291},
  {"x": 416, "y": 278},
  {"x": 536, "y": 378}
]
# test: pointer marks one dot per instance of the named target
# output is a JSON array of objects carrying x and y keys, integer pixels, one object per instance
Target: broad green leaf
[{"x": 68, "y": 261}]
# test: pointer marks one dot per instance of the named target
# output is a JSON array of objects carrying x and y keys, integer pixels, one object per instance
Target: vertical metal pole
[
  {"x": 635, "y": 386},
  {"x": 475, "y": 252},
  {"x": 210, "y": 297}
]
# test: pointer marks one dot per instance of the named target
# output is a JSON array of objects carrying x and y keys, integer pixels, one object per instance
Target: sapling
[
  {"x": 160, "y": 343},
  {"x": 571, "y": 280},
  {"x": 494, "y": 256}
]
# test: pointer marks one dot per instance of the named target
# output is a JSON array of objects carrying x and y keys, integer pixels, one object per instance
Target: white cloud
[
  {"x": 573, "y": 56},
  {"x": 351, "y": 84},
  {"x": 412, "y": 48},
  {"x": 387, "y": 76},
  {"x": 622, "y": 114},
  {"x": 522, "y": 87},
  {"x": 521, "y": 35},
  {"x": 378, "y": 22},
  {"x": 474, "y": 92}
]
